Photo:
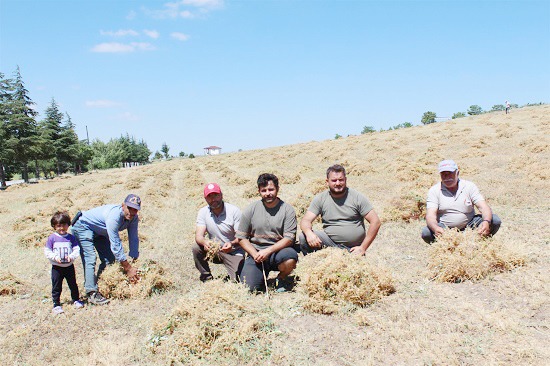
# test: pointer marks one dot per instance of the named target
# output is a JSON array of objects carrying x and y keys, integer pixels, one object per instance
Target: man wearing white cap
[
  {"x": 220, "y": 220},
  {"x": 450, "y": 204}
]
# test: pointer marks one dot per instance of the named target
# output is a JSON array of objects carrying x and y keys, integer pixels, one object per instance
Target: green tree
[
  {"x": 459, "y": 115},
  {"x": 165, "y": 149},
  {"x": 158, "y": 156},
  {"x": 6, "y": 153},
  {"x": 498, "y": 107},
  {"x": 428, "y": 117},
  {"x": 191, "y": 156},
  {"x": 182, "y": 154},
  {"x": 19, "y": 124},
  {"x": 367, "y": 129},
  {"x": 337, "y": 136},
  {"x": 474, "y": 110},
  {"x": 51, "y": 131}
]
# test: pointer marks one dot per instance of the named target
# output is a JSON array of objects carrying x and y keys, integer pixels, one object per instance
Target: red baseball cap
[{"x": 211, "y": 188}]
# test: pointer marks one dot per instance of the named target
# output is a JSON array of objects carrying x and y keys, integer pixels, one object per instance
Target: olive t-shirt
[
  {"x": 266, "y": 226},
  {"x": 343, "y": 218}
]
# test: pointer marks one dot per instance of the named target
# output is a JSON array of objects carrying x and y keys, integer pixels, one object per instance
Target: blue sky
[{"x": 255, "y": 74}]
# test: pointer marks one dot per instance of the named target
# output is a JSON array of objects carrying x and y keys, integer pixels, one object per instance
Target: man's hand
[
  {"x": 262, "y": 255},
  {"x": 438, "y": 230},
  {"x": 358, "y": 250},
  {"x": 484, "y": 229},
  {"x": 227, "y": 247},
  {"x": 313, "y": 240},
  {"x": 131, "y": 272}
]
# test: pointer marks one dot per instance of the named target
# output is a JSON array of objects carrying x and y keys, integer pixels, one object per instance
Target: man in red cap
[{"x": 219, "y": 220}]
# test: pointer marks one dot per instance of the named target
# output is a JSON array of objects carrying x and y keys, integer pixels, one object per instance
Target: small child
[{"x": 62, "y": 249}]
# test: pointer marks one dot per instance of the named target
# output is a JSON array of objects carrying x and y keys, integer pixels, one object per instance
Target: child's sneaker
[
  {"x": 78, "y": 305},
  {"x": 57, "y": 310}
]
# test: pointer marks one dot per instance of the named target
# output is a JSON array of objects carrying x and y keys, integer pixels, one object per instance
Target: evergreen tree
[{"x": 51, "y": 132}]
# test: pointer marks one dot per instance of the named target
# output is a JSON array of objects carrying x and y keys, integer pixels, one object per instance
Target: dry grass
[
  {"x": 497, "y": 320},
  {"x": 11, "y": 285},
  {"x": 334, "y": 279},
  {"x": 458, "y": 256},
  {"x": 214, "y": 247},
  {"x": 114, "y": 284},
  {"x": 223, "y": 323}
]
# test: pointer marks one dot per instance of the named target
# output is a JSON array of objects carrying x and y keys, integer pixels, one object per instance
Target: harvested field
[{"x": 495, "y": 313}]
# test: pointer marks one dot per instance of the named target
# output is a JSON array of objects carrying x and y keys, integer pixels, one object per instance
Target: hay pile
[
  {"x": 223, "y": 324},
  {"x": 114, "y": 284},
  {"x": 334, "y": 280},
  {"x": 458, "y": 256},
  {"x": 408, "y": 207},
  {"x": 11, "y": 285}
]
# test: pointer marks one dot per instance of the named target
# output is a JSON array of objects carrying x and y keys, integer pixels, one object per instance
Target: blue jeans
[
  {"x": 429, "y": 237},
  {"x": 90, "y": 242}
]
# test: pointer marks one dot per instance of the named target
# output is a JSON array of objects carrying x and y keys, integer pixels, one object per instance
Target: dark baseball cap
[{"x": 133, "y": 201}]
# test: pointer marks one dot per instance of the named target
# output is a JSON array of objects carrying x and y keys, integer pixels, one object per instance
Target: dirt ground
[{"x": 500, "y": 320}]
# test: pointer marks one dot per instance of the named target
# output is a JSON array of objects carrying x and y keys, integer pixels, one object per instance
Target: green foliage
[
  {"x": 182, "y": 154},
  {"x": 157, "y": 156},
  {"x": 474, "y": 110},
  {"x": 191, "y": 156},
  {"x": 125, "y": 149},
  {"x": 459, "y": 115},
  {"x": 165, "y": 149},
  {"x": 401, "y": 125},
  {"x": 498, "y": 107},
  {"x": 337, "y": 136},
  {"x": 428, "y": 117},
  {"x": 367, "y": 129}
]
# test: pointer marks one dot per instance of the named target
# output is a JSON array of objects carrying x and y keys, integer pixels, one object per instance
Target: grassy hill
[{"x": 502, "y": 319}]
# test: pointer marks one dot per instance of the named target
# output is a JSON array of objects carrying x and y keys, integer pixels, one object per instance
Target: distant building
[{"x": 212, "y": 150}]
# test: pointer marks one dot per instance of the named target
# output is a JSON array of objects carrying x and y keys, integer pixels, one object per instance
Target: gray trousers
[
  {"x": 326, "y": 241},
  {"x": 429, "y": 237},
  {"x": 233, "y": 263}
]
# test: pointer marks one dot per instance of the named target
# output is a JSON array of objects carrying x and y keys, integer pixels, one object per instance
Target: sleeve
[
  {"x": 432, "y": 201},
  {"x": 112, "y": 223},
  {"x": 315, "y": 205},
  {"x": 475, "y": 194},
  {"x": 200, "y": 218},
  {"x": 48, "y": 249},
  {"x": 237, "y": 218},
  {"x": 364, "y": 205},
  {"x": 290, "y": 224},
  {"x": 244, "y": 228},
  {"x": 76, "y": 248},
  {"x": 133, "y": 238}
]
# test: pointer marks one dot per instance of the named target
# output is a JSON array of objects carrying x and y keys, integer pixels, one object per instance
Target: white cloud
[
  {"x": 119, "y": 33},
  {"x": 181, "y": 9},
  {"x": 127, "y": 116},
  {"x": 151, "y": 33},
  {"x": 131, "y": 15},
  {"x": 210, "y": 4},
  {"x": 179, "y": 36},
  {"x": 102, "y": 103},
  {"x": 114, "y": 47}
]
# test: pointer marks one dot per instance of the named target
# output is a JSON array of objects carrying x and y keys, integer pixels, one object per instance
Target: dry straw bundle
[
  {"x": 223, "y": 324},
  {"x": 214, "y": 247},
  {"x": 457, "y": 256},
  {"x": 334, "y": 279},
  {"x": 113, "y": 283},
  {"x": 11, "y": 285}
]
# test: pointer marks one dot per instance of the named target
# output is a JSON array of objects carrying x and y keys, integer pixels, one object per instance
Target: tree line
[{"x": 51, "y": 146}]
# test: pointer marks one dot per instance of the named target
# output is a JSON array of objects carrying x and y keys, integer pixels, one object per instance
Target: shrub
[
  {"x": 428, "y": 117},
  {"x": 474, "y": 110},
  {"x": 367, "y": 129},
  {"x": 459, "y": 115}
]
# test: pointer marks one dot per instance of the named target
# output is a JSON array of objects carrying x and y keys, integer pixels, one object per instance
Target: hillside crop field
[{"x": 499, "y": 319}]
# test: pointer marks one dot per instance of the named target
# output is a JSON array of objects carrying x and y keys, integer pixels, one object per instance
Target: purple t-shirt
[{"x": 62, "y": 246}]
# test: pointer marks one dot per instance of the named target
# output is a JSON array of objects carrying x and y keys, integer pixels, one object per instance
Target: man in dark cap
[{"x": 97, "y": 230}]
